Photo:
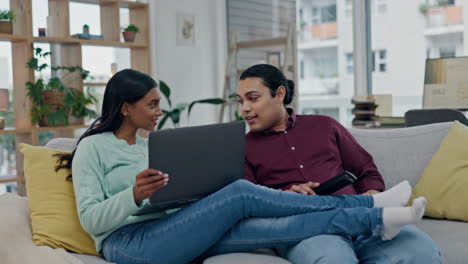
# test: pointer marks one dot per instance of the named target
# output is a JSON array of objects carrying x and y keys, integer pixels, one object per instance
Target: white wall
[{"x": 195, "y": 72}]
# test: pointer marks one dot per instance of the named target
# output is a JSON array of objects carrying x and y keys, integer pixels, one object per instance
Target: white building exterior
[{"x": 404, "y": 34}]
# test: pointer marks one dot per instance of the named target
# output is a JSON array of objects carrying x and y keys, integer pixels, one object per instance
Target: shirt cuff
[{"x": 130, "y": 201}]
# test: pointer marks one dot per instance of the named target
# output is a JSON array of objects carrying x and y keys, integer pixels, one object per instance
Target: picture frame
[
  {"x": 274, "y": 58},
  {"x": 185, "y": 32}
]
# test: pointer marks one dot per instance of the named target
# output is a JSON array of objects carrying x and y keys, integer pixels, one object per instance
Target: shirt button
[
  {"x": 300, "y": 166},
  {"x": 293, "y": 148}
]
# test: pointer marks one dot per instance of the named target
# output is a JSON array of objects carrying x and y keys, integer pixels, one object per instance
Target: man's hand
[
  {"x": 148, "y": 182},
  {"x": 305, "y": 188},
  {"x": 370, "y": 192}
]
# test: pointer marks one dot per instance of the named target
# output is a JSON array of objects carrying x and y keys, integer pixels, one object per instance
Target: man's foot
[
  {"x": 395, "y": 218},
  {"x": 396, "y": 196}
]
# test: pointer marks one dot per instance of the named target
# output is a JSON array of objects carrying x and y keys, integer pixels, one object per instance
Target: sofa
[{"x": 400, "y": 154}]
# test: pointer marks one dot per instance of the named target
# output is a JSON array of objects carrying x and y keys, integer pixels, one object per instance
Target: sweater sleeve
[
  {"x": 97, "y": 213},
  {"x": 358, "y": 161}
]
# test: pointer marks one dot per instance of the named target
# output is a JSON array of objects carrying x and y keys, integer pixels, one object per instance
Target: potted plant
[
  {"x": 7, "y": 17},
  {"x": 53, "y": 102},
  {"x": 174, "y": 113},
  {"x": 129, "y": 33},
  {"x": 86, "y": 29}
]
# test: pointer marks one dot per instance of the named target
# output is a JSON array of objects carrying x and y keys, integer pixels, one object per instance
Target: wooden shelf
[
  {"x": 122, "y": 3},
  {"x": 55, "y": 39},
  {"x": 70, "y": 54},
  {"x": 95, "y": 2},
  {"x": 89, "y": 42},
  {"x": 12, "y": 180},
  {"x": 111, "y": 43},
  {"x": 133, "y": 5},
  {"x": 261, "y": 43},
  {"x": 11, "y": 130},
  {"x": 11, "y": 37},
  {"x": 94, "y": 84}
]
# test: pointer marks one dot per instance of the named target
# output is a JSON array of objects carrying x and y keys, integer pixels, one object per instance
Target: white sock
[
  {"x": 395, "y": 218},
  {"x": 396, "y": 196}
]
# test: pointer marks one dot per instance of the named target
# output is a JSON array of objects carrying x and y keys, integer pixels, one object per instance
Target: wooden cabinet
[{"x": 22, "y": 40}]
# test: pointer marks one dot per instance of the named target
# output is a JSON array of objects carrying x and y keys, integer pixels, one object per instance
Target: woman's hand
[
  {"x": 305, "y": 188},
  {"x": 147, "y": 183}
]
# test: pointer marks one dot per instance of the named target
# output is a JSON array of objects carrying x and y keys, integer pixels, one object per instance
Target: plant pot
[
  {"x": 6, "y": 27},
  {"x": 129, "y": 36},
  {"x": 55, "y": 99}
]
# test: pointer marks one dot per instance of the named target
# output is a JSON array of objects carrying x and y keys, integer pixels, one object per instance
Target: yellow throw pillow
[
  {"x": 52, "y": 204},
  {"x": 445, "y": 179}
]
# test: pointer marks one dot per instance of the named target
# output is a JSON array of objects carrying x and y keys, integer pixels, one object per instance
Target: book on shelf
[
  {"x": 88, "y": 36},
  {"x": 364, "y": 111},
  {"x": 390, "y": 121}
]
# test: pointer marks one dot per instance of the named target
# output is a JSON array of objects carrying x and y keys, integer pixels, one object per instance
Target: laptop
[{"x": 199, "y": 160}]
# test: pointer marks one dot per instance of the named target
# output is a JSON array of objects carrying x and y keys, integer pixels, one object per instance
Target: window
[
  {"x": 302, "y": 70},
  {"x": 380, "y": 7},
  {"x": 348, "y": 9},
  {"x": 328, "y": 13},
  {"x": 349, "y": 63},
  {"x": 315, "y": 16},
  {"x": 381, "y": 60},
  {"x": 447, "y": 52},
  {"x": 323, "y": 14}
]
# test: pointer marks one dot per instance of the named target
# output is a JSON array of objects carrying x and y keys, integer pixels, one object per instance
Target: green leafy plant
[
  {"x": 174, "y": 113},
  {"x": 7, "y": 15},
  {"x": 67, "y": 100},
  {"x": 423, "y": 8},
  {"x": 131, "y": 27}
]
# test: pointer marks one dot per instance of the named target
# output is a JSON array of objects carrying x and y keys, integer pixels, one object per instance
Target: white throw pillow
[{"x": 16, "y": 237}]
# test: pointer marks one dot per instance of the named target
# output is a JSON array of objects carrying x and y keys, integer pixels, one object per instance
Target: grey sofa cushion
[{"x": 402, "y": 154}]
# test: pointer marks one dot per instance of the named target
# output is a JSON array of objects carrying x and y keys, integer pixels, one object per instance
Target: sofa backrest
[{"x": 400, "y": 154}]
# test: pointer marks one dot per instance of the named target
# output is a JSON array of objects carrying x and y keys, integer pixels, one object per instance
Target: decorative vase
[
  {"x": 129, "y": 36},
  {"x": 6, "y": 27}
]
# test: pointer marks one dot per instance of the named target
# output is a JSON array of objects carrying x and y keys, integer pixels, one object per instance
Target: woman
[{"x": 111, "y": 181}]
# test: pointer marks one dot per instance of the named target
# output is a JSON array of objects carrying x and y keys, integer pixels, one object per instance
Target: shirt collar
[{"x": 291, "y": 122}]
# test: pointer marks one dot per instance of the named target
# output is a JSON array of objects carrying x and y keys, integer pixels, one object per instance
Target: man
[{"x": 295, "y": 153}]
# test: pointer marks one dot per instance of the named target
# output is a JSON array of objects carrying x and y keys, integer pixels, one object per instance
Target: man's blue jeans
[
  {"x": 242, "y": 217},
  {"x": 410, "y": 246}
]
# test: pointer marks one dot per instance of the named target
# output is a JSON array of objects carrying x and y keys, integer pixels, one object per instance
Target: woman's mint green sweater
[{"x": 104, "y": 171}]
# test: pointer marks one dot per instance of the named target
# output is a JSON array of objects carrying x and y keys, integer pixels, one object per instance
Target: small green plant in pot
[
  {"x": 129, "y": 33},
  {"x": 7, "y": 17},
  {"x": 52, "y": 101}
]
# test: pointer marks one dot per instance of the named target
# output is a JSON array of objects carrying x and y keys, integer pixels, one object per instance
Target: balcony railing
[
  {"x": 319, "y": 32},
  {"x": 444, "y": 16}
]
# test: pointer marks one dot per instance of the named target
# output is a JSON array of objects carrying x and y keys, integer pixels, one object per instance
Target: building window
[
  {"x": 348, "y": 9},
  {"x": 323, "y": 14},
  {"x": 379, "y": 59},
  {"x": 380, "y": 7},
  {"x": 301, "y": 70},
  {"x": 447, "y": 52},
  {"x": 328, "y": 13},
  {"x": 315, "y": 16},
  {"x": 349, "y": 63}
]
